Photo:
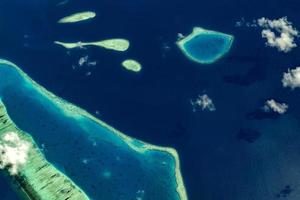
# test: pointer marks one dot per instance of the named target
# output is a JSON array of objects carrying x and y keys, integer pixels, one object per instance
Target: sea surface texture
[{"x": 234, "y": 123}]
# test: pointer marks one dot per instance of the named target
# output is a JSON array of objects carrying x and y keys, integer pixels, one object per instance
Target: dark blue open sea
[{"x": 217, "y": 161}]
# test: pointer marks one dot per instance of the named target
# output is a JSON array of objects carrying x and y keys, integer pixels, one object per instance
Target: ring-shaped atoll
[{"x": 205, "y": 46}]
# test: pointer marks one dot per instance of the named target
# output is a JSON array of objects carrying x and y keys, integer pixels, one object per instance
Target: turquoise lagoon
[
  {"x": 205, "y": 46},
  {"x": 104, "y": 162}
]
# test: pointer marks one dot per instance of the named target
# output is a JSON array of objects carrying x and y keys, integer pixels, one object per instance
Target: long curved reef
[
  {"x": 103, "y": 162},
  {"x": 27, "y": 166}
]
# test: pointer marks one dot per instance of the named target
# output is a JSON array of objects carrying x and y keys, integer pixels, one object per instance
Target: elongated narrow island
[
  {"x": 77, "y": 17},
  {"x": 103, "y": 162},
  {"x": 205, "y": 46},
  {"x": 37, "y": 178},
  {"x": 112, "y": 44}
]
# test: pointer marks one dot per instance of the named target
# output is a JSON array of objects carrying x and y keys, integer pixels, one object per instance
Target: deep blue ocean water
[{"x": 154, "y": 105}]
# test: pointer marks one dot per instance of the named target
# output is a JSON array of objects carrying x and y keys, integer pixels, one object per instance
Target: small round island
[
  {"x": 205, "y": 46},
  {"x": 132, "y": 65}
]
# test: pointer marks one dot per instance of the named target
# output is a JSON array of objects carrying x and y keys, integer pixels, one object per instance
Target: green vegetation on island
[
  {"x": 112, "y": 44},
  {"x": 132, "y": 65},
  {"x": 77, "y": 17},
  {"x": 35, "y": 176}
]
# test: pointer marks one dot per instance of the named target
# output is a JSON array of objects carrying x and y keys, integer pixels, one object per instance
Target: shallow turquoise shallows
[
  {"x": 105, "y": 163},
  {"x": 205, "y": 46}
]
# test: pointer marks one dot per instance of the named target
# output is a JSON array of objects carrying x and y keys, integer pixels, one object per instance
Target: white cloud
[
  {"x": 83, "y": 60},
  {"x": 204, "y": 103},
  {"x": 13, "y": 152},
  {"x": 272, "y": 105},
  {"x": 291, "y": 78},
  {"x": 279, "y": 33}
]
